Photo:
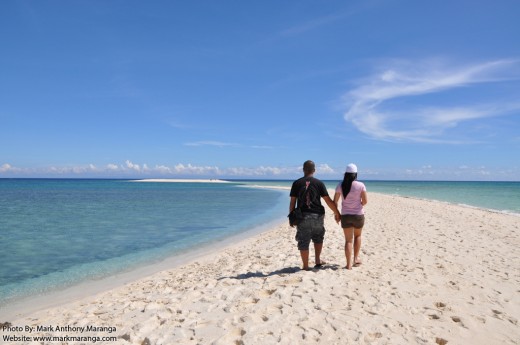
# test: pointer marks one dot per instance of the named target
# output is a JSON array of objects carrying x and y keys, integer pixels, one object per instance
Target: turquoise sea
[
  {"x": 56, "y": 233},
  {"x": 499, "y": 196}
]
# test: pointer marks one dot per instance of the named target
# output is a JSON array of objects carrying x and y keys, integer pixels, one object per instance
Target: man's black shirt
[{"x": 308, "y": 192}]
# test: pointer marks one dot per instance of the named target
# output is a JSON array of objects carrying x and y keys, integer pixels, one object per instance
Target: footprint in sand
[
  {"x": 373, "y": 336},
  {"x": 265, "y": 293},
  {"x": 497, "y": 314},
  {"x": 457, "y": 320},
  {"x": 453, "y": 284},
  {"x": 440, "y": 305},
  {"x": 292, "y": 281}
]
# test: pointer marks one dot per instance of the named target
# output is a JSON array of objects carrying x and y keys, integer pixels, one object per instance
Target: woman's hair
[{"x": 347, "y": 183}]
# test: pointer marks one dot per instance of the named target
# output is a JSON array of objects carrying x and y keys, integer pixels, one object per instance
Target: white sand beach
[{"x": 432, "y": 273}]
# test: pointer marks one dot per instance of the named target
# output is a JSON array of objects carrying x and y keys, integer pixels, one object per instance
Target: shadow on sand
[{"x": 283, "y": 271}]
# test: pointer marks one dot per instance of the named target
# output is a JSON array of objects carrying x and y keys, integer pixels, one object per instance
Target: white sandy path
[{"x": 432, "y": 273}]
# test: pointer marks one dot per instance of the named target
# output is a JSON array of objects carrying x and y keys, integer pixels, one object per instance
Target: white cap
[{"x": 351, "y": 168}]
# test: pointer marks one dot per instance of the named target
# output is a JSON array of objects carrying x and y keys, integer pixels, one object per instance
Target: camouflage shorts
[{"x": 310, "y": 228}]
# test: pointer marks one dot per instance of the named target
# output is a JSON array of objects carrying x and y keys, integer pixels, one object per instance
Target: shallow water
[{"x": 56, "y": 233}]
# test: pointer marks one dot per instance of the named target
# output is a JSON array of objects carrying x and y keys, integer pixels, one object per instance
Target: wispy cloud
[
  {"x": 322, "y": 169},
  {"x": 225, "y": 144},
  {"x": 313, "y": 24},
  {"x": 369, "y": 112},
  {"x": 327, "y": 19},
  {"x": 210, "y": 143},
  {"x": 262, "y": 147},
  {"x": 178, "y": 125}
]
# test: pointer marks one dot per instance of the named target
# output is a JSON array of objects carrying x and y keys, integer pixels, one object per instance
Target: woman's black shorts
[{"x": 352, "y": 221}]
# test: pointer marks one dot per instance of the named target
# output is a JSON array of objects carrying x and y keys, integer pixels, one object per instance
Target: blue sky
[{"x": 243, "y": 89}]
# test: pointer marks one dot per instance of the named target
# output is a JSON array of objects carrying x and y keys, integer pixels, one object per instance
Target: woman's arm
[
  {"x": 364, "y": 199},
  {"x": 336, "y": 198}
]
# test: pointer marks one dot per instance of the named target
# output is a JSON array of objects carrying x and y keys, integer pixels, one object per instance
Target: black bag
[{"x": 295, "y": 217}]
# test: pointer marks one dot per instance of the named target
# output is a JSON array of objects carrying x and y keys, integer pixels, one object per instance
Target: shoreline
[
  {"x": 429, "y": 272},
  {"x": 90, "y": 287},
  {"x": 506, "y": 212},
  {"x": 25, "y": 306},
  {"x": 60, "y": 295}
]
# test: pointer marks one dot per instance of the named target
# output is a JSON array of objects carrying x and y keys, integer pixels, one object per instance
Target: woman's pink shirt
[{"x": 352, "y": 203}]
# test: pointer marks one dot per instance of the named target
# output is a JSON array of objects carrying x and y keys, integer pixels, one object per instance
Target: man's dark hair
[{"x": 309, "y": 167}]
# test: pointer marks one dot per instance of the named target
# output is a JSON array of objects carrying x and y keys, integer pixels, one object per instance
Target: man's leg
[
  {"x": 303, "y": 236},
  {"x": 305, "y": 258},
  {"x": 318, "y": 233},
  {"x": 317, "y": 252}
]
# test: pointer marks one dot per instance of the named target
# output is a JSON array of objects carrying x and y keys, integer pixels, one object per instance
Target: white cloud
[
  {"x": 5, "y": 167},
  {"x": 325, "y": 169},
  {"x": 129, "y": 169},
  {"x": 262, "y": 171},
  {"x": 369, "y": 112},
  {"x": 71, "y": 170},
  {"x": 196, "y": 170},
  {"x": 132, "y": 166},
  {"x": 162, "y": 169}
]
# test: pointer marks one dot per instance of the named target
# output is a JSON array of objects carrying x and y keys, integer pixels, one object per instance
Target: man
[{"x": 305, "y": 194}]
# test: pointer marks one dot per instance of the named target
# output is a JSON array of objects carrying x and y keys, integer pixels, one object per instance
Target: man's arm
[
  {"x": 292, "y": 204},
  {"x": 333, "y": 207}
]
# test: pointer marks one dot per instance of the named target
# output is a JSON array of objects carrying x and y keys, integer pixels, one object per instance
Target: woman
[{"x": 353, "y": 197}]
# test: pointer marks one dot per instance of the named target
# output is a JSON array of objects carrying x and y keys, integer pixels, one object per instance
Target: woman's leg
[
  {"x": 349, "y": 234},
  {"x": 357, "y": 246}
]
